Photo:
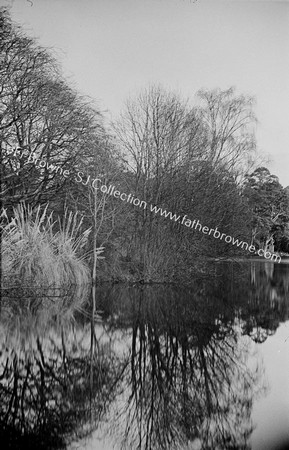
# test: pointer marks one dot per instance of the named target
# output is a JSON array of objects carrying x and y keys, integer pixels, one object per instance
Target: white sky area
[{"x": 110, "y": 49}]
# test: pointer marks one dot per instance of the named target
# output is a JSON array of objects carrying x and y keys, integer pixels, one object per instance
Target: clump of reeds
[{"x": 40, "y": 252}]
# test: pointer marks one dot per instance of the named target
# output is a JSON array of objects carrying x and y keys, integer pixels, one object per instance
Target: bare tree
[
  {"x": 45, "y": 127},
  {"x": 230, "y": 123}
]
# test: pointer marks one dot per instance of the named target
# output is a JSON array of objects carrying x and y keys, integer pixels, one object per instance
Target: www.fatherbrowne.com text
[
  {"x": 129, "y": 198},
  {"x": 184, "y": 220}
]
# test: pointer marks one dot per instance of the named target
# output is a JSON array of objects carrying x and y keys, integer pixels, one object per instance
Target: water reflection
[
  {"x": 55, "y": 385},
  {"x": 188, "y": 377},
  {"x": 157, "y": 368}
]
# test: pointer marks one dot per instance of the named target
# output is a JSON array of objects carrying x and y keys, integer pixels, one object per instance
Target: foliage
[
  {"x": 269, "y": 207},
  {"x": 40, "y": 115},
  {"x": 36, "y": 255},
  {"x": 188, "y": 158}
]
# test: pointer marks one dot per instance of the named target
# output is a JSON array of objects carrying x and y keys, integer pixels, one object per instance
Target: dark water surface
[{"x": 152, "y": 366}]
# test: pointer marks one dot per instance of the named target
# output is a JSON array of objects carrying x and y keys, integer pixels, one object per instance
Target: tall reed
[{"x": 40, "y": 252}]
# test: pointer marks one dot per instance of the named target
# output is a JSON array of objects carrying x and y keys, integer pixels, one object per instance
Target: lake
[{"x": 151, "y": 366}]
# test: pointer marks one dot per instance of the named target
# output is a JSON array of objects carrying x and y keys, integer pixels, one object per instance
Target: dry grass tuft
[{"x": 38, "y": 252}]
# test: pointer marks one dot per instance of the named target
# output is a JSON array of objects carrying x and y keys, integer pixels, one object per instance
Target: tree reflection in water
[
  {"x": 188, "y": 378},
  {"x": 164, "y": 367},
  {"x": 56, "y": 383}
]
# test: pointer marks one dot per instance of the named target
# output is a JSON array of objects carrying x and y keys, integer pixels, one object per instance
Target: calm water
[{"x": 151, "y": 367}]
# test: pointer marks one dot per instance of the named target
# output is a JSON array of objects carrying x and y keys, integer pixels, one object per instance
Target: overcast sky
[{"x": 109, "y": 49}]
